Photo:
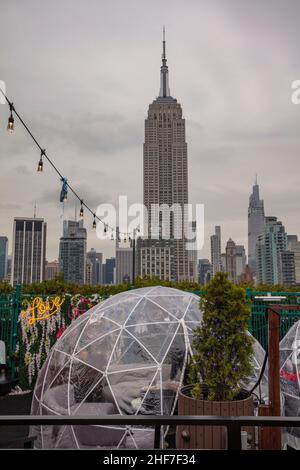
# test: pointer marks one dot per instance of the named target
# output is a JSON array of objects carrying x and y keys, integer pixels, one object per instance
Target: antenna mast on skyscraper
[{"x": 164, "y": 79}]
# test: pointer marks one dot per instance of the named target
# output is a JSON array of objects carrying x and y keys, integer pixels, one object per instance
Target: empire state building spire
[
  {"x": 164, "y": 91},
  {"x": 163, "y": 251}
]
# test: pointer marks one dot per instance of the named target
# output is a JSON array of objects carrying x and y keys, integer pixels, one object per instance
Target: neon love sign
[{"x": 40, "y": 310}]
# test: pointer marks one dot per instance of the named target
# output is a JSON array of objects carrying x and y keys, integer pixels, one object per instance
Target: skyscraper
[
  {"x": 294, "y": 246},
  {"x": 88, "y": 272},
  {"x": 72, "y": 252},
  {"x": 166, "y": 176},
  {"x": 215, "y": 251},
  {"x": 124, "y": 260},
  {"x": 96, "y": 259},
  {"x": 269, "y": 246},
  {"x": 287, "y": 268},
  {"x": 204, "y": 271},
  {"x": 256, "y": 223},
  {"x": 240, "y": 261},
  {"x": 109, "y": 271},
  {"x": 231, "y": 260},
  {"x": 123, "y": 265},
  {"x": 9, "y": 264},
  {"x": 29, "y": 251},
  {"x": 223, "y": 263},
  {"x": 3, "y": 257}
]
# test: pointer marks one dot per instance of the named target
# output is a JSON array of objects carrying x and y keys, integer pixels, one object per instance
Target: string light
[
  {"x": 10, "y": 123},
  {"x": 65, "y": 184},
  {"x": 64, "y": 189},
  {"x": 81, "y": 209},
  {"x": 40, "y": 165}
]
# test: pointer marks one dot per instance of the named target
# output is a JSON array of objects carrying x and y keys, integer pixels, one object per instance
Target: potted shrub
[{"x": 222, "y": 361}]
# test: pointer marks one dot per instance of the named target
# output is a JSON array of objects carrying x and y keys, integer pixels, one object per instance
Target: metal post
[
  {"x": 135, "y": 230},
  {"x": 14, "y": 328},
  {"x": 274, "y": 372},
  {"x": 234, "y": 436},
  {"x": 133, "y": 258},
  {"x": 270, "y": 439},
  {"x": 157, "y": 437}
]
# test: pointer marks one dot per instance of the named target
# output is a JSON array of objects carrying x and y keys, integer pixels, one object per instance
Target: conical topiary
[{"x": 223, "y": 348}]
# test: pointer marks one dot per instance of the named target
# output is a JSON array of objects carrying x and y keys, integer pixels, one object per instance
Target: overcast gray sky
[{"x": 82, "y": 74}]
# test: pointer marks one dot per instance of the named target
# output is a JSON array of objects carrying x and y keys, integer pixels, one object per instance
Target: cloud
[{"x": 83, "y": 80}]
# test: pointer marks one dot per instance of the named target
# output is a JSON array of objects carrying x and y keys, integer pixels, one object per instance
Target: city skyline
[
  {"x": 123, "y": 245},
  {"x": 245, "y": 126}
]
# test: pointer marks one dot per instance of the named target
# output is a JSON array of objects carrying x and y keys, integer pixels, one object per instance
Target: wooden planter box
[{"x": 209, "y": 437}]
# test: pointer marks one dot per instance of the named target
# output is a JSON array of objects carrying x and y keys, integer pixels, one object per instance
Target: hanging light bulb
[
  {"x": 81, "y": 209},
  {"x": 40, "y": 165},
  {"x": 10, "y": 123},
  {"x": 94, "y": 221}
]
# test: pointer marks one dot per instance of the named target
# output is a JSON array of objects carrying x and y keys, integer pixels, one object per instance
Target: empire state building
[{"x": 165, "y": 183}]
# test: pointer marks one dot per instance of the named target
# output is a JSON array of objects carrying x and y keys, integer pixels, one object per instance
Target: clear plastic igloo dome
[
  {"x": 290, "y": 379},
  {"x": 127, "y": 355},
  {"x": 262, "y": 389}
]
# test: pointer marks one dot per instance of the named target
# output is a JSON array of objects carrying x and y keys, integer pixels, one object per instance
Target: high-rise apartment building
[
  {"x": 256, "y": 224},
  {"x": 287, "y": 268},
  {"x": 29, "y": 250},
  {"x": 72, "y": 252},
  {"x": 3, "y": 257},
  {"x": 268, "y": 248},
  {"x": 294, "y": 246},
  {"x": 165, "y": 181},
  {"x": 215, "y": 251}
]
